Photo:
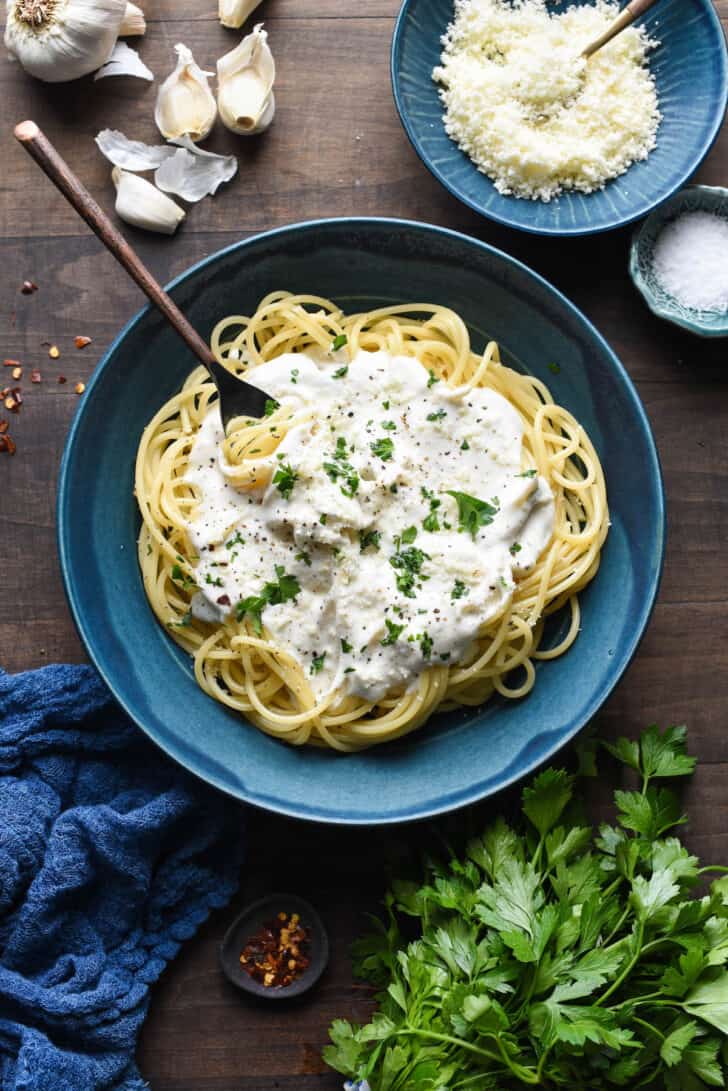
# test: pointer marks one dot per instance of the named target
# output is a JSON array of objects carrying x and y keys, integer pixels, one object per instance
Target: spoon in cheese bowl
[
  {"x": 625, "y": 18},
  {"x": 237, "y": 398}
]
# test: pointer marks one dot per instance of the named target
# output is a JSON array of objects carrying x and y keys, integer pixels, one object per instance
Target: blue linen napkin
[{"x": 110, "y": 857}]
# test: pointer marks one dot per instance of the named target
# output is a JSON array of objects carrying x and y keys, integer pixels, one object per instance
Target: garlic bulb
[
  {"x": 245, "y": 79},
  {"x": 133, "y": 22},
  {"x": 185, "y": 103},
  {"x": 58, "y": 40},
  {"x": 140, "y": 203},
  {"x": 233, "y": 13}
]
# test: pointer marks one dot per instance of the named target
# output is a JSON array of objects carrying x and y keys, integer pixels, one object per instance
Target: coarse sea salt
[{"x": 690, "y": 261}]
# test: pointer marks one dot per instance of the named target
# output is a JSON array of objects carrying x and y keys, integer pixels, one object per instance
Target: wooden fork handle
[
  {"x": 40, "y": 148},
  {"x": 625, "y": 17}
]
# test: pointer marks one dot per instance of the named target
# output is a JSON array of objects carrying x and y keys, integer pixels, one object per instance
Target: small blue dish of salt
[{"x": 679, "y": 260}]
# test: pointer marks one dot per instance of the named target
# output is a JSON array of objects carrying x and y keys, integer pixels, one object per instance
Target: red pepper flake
[
  {"x": 81, "y": 342},
  {"x": 28, "y": 287},
  {"x": 35, "y": 376},
  {"x": 54, "y": 352},
  {"x": 62, "y": 379},
  {"x": 11, "y": 363},
  {"x": 17, "y": 373},
  {"x": 7, "y": 445},
  {"x": 3, "y": 426},
  {"x": 224, "y": 600},
  {"x": 278, "y": 953}
]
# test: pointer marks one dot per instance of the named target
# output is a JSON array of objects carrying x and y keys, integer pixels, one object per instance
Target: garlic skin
[
  {"x": 245, "y": 78},
  {"x": 133, "y": 24},
  {"x": 60, "y": 40},
  {"x": 141, "y": 204},
  {"x": 233, "y": 13},
  {"x": 185, "y": 104}
]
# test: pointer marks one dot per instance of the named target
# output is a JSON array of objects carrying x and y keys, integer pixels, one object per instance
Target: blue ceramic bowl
[
  {"x": 691, "y": 199},
  {"x": 458, "y": 757},
  {"x": 691, "y": 71}
]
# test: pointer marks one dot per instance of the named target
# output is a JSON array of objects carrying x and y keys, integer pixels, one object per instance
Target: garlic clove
[
  {"x": 133, "y": 23},
  {"x": 233, "y": 13},
  {"x": 141, "y": 204},
  {"x": 245, "y": 78},
  {"x": 64, "y": 39},
  {"x": 185, "y": 104}
]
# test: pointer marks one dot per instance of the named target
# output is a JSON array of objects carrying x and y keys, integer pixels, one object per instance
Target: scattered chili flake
[
  {"x": 278, "y": 953},
  {"x": 28, "y": 287},
  {"x": 80, "y": 387},
  {"x": 224, "y": 600},
  {"x": 17, "y": 373},
  {"x": 62, "y": 379},
  {"x": 11, "y": 363},
  {"x": 13, "y": 398},
  {"x": 7, "y": 445},
  {"x": 54, "y": 352},
  {"x": 35, "y": 376},
  {"x": 81, "y": 342},
  {"x": 3, "y": 426}
]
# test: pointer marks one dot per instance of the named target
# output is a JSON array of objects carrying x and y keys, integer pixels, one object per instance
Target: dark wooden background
[{"x": 336, "y": 148}]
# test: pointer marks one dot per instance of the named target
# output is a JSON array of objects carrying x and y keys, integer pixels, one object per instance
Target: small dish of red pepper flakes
[{"x": 277, "y": 948}]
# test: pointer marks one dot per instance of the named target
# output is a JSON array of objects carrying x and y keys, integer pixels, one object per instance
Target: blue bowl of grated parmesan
[
  {"x": 679, "y": 260},
  {"x": 503, "y": 111}
]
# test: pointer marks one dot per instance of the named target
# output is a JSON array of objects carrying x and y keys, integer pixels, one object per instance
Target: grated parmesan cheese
[{"x": 529, "y": 111}]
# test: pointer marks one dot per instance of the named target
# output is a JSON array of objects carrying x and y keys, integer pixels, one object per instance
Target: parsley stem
[
  {"x": 627, "y": 969},
  {"x": 711, "y": 867},
  {"x": 525, "y": 1075},
  {"x": 649, "y": 1027}
]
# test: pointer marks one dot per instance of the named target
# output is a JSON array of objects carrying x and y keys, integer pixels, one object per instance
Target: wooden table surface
[{"x": 336, "y": 149}]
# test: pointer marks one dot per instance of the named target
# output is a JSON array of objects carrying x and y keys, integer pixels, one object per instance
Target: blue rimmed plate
[
  {"x": 691, "y": 72},
  {"x": 458, "y": 757}
]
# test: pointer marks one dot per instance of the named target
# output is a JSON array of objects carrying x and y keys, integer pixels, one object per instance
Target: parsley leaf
[
  {"x": 369, "y": 538},
  {"x": 317, "y": 663},
  {"x": 339, "y": 342},
  {"x": 439, "y": 414},
  {"x": 341, "y": 371},
  {"x": 474, "y": 513},
  {"x": 270, "y": 406},
  {"x": 285, "y": 588},
  {"x": 459, "y": 590},
  {"x": 285, "y": 478},
  {"x": 345, "y": 645},
  {"x": 432, "y": 378},
  {"x": 393, "y": 633}
]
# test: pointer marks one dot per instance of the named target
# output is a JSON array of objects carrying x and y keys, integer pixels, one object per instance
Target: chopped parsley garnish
[
  {"x": 285, "y": 478},
  {"x": 341, "y": 371},
  {"x": 408, "y": 563},
  {"x": 186, "y": 620},
  {"x": 369, "y": 538},
  {"x": 270, "y": 406},
  {"x": 465, "y": 446},
  {"x": 383, "y": 448},
  {"x": 345, "y": 645},
  {"x": 317, "y": 663},
  {"x": 349, "y": 670},
  {"x": 341, "y": 468},
  {"x": 409, "y": 535},
  {"x": 214, "y": 581},
  {"x": 394, "y": 488},
  {"x": 504, "y": 583},
  {"x": 474, "y": 513},
  {"x": 426, "y": 645},
  {"x": 393, "y": 633},
  {"x": 432, "y": 379},
  {"x": 515, "y": 548},
  {"x": 339, "y": 342},
  {"x": 430, "y": 522},
  {"x": 385, "y": 405},
  {"x": 181, "y": 576},
  {"x": 305, "y": 557},
  {"x": 439, "y": 414},
  {"x": 389, "y": 426},
  {"x": 555, "y": 369},
  {"x": 460, "y": 590},
  {"x": 285, "y": 588},
  {"x": 322, "y": 520},
  {"x": 294, "y": 375},
  {"x": 527, "y": 473}
]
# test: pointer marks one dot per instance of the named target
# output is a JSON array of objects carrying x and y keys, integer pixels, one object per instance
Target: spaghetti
[{"x": 246, "y": 665}]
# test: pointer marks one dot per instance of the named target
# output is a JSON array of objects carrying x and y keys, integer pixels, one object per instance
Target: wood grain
[{"x": 336, "y": 148}]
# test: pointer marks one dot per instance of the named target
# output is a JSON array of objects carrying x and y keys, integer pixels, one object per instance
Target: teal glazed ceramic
[
  {"x": 712, "y": 199},
  {"x": 691, "y": 72},
  {"x": 460, "y": 756}
]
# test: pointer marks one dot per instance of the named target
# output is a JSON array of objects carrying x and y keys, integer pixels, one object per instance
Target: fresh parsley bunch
[{"x": 553, "y": 956}]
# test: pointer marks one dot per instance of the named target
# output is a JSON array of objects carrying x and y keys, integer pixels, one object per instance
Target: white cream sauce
[{"x": 439, "y": 439}]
